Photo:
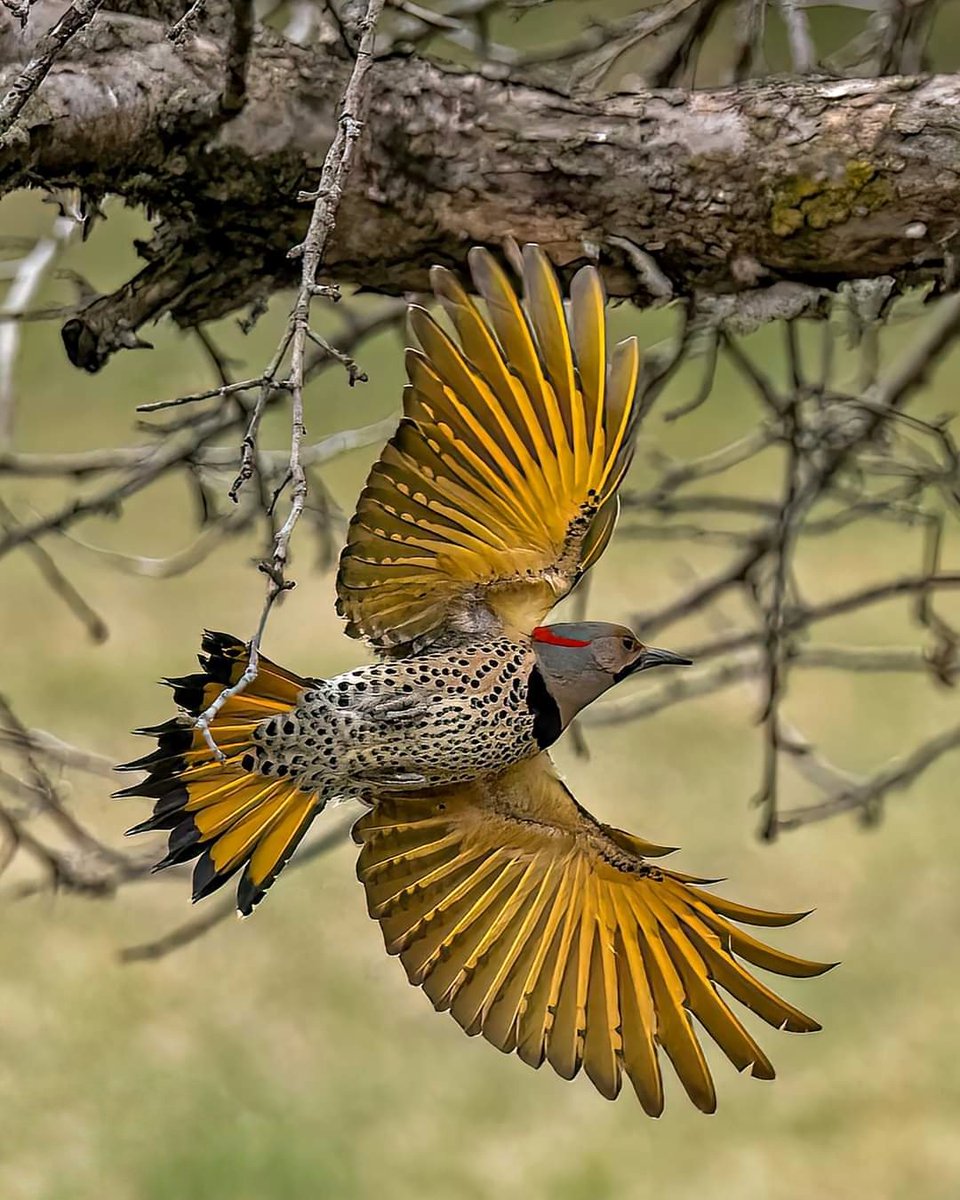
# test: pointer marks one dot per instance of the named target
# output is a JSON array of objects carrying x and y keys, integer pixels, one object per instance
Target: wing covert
[{"x": 499, "y": 488}]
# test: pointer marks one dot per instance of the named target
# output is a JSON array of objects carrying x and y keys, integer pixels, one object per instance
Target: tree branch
[
  {"x": 724, "y": 189},
  {"x": 862, "y": 796}
]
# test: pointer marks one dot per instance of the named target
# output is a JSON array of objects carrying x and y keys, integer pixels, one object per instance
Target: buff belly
[{"x": 435, "y": 718}]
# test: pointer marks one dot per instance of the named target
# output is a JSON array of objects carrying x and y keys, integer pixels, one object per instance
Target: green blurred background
[{"x": 285, "y": 1057}]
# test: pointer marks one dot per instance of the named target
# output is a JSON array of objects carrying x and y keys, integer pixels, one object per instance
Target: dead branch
[
  {"x": 866, "y": 797},
  {"x": 217, "y": 913},
  {"x": 704, "y": 183}
]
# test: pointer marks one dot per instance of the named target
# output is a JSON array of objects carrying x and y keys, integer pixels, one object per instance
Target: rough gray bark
[{"x": 811, "y": 180}]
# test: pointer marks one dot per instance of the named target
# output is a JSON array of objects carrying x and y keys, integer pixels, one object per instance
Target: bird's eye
[{"x": 629, "y": 643}]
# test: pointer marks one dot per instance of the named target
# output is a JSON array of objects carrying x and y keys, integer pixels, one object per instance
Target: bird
[{"x": 554, "y": 935}]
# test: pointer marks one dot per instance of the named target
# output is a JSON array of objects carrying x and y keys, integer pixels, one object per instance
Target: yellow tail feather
[{"x": 224, "y": 813}]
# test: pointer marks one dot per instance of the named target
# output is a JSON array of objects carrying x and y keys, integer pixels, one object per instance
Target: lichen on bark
[{"x": 801, "y": 202}]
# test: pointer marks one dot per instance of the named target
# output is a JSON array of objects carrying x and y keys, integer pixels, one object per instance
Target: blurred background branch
[
  {"x": 849, "y": 460},
  {"x": 849, "y": 455}
]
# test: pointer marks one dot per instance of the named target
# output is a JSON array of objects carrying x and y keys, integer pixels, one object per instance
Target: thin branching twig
[
  {"x": 326, "y": 202},
  {"x": 76, "y": 17}
]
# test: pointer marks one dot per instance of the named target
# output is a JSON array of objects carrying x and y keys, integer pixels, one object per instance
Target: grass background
[{"x": 285, "y": 1056}]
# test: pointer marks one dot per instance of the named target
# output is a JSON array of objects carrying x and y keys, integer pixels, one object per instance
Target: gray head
[{"x": 580, "y": 660}]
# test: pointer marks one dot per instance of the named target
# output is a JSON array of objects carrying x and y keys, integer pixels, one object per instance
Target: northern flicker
[{"x": 535, "y": 924}]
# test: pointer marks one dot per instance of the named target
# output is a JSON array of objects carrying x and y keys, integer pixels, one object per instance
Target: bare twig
[
  {"x": 786, "y": 532},
  {"x": 225, "y": 389},
  {"x": 748, "y": 664},
  {"x": 94, "y": 624},
  {"x": 680, "y": 59},
  {"x": 866, "y": 795},
  {"x": 156, "y": 463},
  {"x": 189, "y": 931},
  {"x": 185, "y": 26},
  {"x": 750, "y": 30},
  {"x": 802, "y": 50},
  {"x": 322, "y": 221},
  {"x": 77, "y": 16},
  {"x": 98, "y": 869},
  {"x": 241, "y": 35},
  {"x": 28, "y": 274},
  {"x": 45, "y": 745}
]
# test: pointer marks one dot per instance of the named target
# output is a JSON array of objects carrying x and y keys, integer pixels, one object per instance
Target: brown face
[
  {"x": 617, "y": 651},
  {"x": 622, "y": 653}
]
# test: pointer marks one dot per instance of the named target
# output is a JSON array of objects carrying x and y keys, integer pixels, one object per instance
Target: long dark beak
[{"x": 653, "y": 656}]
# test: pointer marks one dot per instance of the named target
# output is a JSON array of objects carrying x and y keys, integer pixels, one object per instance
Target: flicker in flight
[{"x": 533, "y": 923}]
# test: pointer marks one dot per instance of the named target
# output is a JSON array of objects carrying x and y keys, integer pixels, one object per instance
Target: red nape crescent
[{"x": 543, "y": 633}]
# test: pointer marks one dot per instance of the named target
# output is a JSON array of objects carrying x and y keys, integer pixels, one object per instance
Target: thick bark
[{"x": 810, "y": 180}]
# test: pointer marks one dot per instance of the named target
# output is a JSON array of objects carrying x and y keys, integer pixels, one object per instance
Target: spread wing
[
  {"x": 499, "y": 487},
  {"x": 551, "y": 935}
]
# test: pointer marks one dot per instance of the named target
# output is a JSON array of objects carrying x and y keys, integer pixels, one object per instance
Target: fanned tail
[{"x": 224, "y": 813}]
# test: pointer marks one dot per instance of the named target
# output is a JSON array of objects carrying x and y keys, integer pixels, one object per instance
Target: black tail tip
[
  {"x": 220, "y": 654},
  {"x": 215, "y": 642},
  {"x": 206, "y": 878}
]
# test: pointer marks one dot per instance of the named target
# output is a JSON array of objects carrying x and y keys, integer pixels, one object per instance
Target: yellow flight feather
[
  {"x": 551, "y": 936},
  {"x": 499, "y": 488}
]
